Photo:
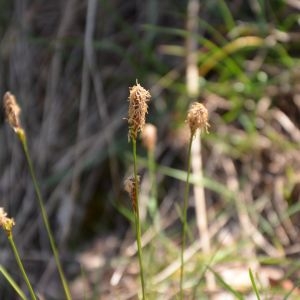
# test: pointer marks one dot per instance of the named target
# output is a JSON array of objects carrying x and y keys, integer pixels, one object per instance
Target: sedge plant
[
  {"x": 138, "y": 107},
  {"x": 12, "y": 112},
  {"x": 197, "y": 118},
  {"x": 7, "y": 225}
]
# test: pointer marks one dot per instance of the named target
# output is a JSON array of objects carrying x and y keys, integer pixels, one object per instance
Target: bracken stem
[
  {"x": 22, "y": 137},
  {"x": 184, "y": 216},
  {"x": 137, "y": 219}
]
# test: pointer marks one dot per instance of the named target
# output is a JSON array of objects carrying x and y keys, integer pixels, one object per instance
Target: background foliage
[{"x": 70, "y": 64}]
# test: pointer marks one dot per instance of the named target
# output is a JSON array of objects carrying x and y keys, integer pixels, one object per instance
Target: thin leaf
[
  {"x": 254, "y": 284},
  {"x": 226, "y": 285},
  {"x": 12, "y": 283}
]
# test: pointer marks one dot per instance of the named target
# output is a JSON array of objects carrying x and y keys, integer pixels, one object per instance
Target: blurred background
[{"x": 70, "y": 64}]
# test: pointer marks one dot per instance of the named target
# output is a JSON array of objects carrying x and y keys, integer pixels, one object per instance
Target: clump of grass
[
  {"x": 197, "y": 118},
  {"x": 7, "y": 225},
  {"x": 138, "y": 108},
  {"x": 12, "y": 112}
]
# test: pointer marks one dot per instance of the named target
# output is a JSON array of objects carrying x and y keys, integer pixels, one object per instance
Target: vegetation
[{"x": 229, "y": 201}]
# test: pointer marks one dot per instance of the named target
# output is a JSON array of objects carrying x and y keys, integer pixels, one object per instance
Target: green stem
[
  {"x": 22, "y": 137},
  {"x": 20, "y": 264},
  {"x": 184, "y": 216},
  {"x": 153, "y": 199},
  {"x": 137, "y": 219},
  {"x": 12, "y": 283}
]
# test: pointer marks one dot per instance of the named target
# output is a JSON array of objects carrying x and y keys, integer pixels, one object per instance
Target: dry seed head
[
  {"x": 12, "y": 111},
  {"x": 149, "y": 137},
  {"x": 131, "y": 188},
  {"x": 5, "y": 222},
  {"x": 138, "y": 107},
  {"x": 197, "y": 118}
]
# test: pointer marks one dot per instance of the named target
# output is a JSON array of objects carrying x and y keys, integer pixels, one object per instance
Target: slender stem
[
  {"x": 23, "y": 139},
  {"x": 184, "y": 216},
  {"x": 137, "y": 219},
  {"x": 153, "y": 200},
  {"x": 12, "y": 283},
  {"x": 20, "y": 264}
]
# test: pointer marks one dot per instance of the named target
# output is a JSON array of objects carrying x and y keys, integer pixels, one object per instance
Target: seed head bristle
[
  {"x": 12, "y": 111},
  {"x": 197, "y": 118},
  {"x": 138, "y": 107},
  {"x": 131, "y": 188},
  {"x": 149, "y": 136},
  {"x": 5, "y": 222}
]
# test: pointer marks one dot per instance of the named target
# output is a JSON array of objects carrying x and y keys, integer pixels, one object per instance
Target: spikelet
[
  {"x": 197, "y": 118},
  {"x": 131, "y": 188},
  {"x": 12, "y": 111},
  {"x": 138, "y": 107},
  {"x": 5, "y": 222}
]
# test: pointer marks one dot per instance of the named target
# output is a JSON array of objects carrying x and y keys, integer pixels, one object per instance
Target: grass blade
[
  {"x": 226, "y": 286},
  {"x": 12, "y": 283},
  {"x": 254, "y": 284}
]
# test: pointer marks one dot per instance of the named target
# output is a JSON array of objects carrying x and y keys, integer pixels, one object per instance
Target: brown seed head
[
  {"x": 197, "y": 118},
  {"x": 5, "y": 222},
  {"x": 138, "y": 107},
  {"x": 12, "y": 111},
  {"x": 131, "y": 188},
  {"x": 149, "y": 136}
]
